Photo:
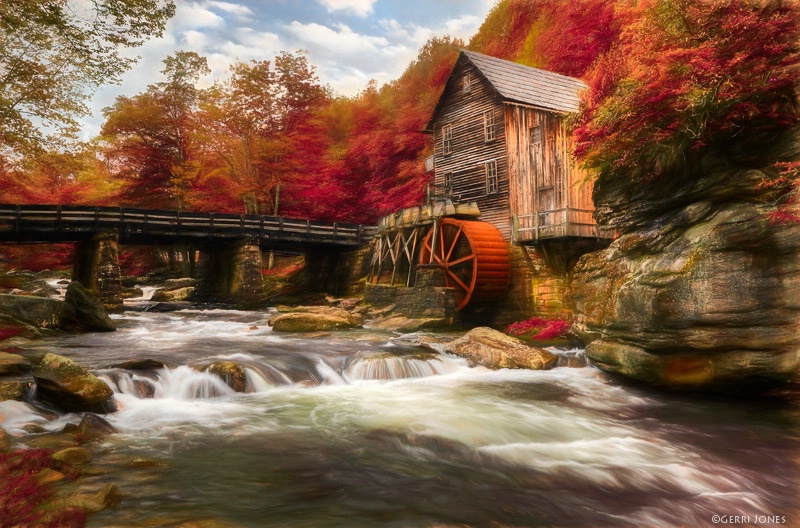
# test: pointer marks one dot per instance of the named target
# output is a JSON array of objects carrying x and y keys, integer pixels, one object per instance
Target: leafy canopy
[
  {"x": 53, "y": 53},
  {"x": 689, "y": 79}
]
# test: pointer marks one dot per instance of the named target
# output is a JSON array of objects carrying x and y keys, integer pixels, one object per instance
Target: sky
[{"x": 350, "y": 42}]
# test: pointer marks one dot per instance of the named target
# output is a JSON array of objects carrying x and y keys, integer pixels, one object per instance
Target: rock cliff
[{"x": 700, "y": 289}]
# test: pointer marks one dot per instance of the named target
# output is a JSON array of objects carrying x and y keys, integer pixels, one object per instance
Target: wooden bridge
[{"x": 68, "y": 223}]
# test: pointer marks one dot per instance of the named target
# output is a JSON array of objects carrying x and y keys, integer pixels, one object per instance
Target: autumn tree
[
  {"x": 54, "y": 52},
  {"x": 254, "y": 134},
  {"x": 692, "y": 80},
  {"x": 384, "y": 167},
  {"x": 148, "y": 136}
]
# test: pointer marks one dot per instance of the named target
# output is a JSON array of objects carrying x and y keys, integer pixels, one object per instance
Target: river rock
[
  {"x": 82, "y": 311},
  {"x": 40, "y": 312},
  {"x": 699, "y": 291},
  {"x": 14, "y": 390},
  {"x": 14, "y": 364},
  {"x": 492, "y": 349},
  {"x": 181, "y": 282},
  {"x": 402, "y": 324},
  {"x": 74, "y": 456},
  {"x": 88, "y": 502},
  {"x": 92, "y": 427},
  {"x": 355, "y": 318},
  {"x": 231, "y": 373},
  {"x": 176, "y": 295},
  {"x": 310, "y": 322},
  {"x": 66, "y": 385}
]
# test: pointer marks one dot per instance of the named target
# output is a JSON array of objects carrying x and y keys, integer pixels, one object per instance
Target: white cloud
[
  {"x": 239, "y": 10},
  {"x": 194, "y": 15},
  {"x": 360, "y": 8}
]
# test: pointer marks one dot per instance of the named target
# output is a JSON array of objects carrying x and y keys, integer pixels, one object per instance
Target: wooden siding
[
  {"x": 549, "y": 196},
  {"x": 470, "y": 151}
]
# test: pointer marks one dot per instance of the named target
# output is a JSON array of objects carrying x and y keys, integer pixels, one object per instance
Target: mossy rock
[{"x": 310, "y": 322}]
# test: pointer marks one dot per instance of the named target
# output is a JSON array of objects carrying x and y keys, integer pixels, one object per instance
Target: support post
[
  {"x": 96, "y": 267},
  {"x": 230, "y": 272}
]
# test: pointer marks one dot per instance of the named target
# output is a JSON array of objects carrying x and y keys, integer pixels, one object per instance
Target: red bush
[{"x": 539, "y": 329}]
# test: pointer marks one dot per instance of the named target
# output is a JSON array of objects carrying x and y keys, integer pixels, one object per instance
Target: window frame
[
  {"x": 492, "y": 176},
  {"x": 466, "y": 82},
  {"x": 489, "y": 126},
  {"x": 447, "y": 139}
]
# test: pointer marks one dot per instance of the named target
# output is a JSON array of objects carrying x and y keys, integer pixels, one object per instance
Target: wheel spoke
[
  {"x": 462, "y": 260},
  {"x": 453, "y": 244},
  {"x": 458, "y": 281}
]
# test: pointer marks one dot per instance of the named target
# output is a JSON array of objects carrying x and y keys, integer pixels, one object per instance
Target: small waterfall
[
  {"x": 391, "y": 367},
  {"x": 181, "y": 383}
]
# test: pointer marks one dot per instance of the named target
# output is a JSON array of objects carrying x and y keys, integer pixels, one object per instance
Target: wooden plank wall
[
  {"x": 470, "y": 151},
  {"x": 549, "y": 195}
]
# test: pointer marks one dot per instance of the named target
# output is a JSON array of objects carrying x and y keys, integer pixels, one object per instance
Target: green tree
[{"x": 53, "y": 53}]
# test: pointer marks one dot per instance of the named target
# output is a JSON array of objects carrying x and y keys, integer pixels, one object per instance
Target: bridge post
[
  {"x": 96, "y": 267},
  {"x": 230, "y": 271}
]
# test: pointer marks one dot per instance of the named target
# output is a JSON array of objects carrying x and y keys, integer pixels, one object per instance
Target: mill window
[
  {"x": 491, "y": 177},
  {"x": 466, "y": 83},
  {"x": 488, "y": 125},
  {"x": 447, "y": 139}
]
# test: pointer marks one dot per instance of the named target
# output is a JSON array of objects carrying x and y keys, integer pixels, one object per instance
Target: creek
[{"x": 362, "y": 429}]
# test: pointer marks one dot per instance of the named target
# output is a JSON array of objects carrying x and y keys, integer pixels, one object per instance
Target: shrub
[{"x": 539, "y": 329}]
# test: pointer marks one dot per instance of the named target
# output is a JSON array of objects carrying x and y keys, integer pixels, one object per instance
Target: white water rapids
[{"x": 363, "y": 429}]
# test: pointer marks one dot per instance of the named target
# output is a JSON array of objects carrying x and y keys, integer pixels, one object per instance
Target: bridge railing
[{"x": 64, "y": 219}]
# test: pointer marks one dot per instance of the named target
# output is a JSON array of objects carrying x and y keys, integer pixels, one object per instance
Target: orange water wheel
[{"x": 474, "y": 256}]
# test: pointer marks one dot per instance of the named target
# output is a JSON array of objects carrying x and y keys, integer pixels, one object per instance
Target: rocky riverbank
[{"x": 701, "y": 288}]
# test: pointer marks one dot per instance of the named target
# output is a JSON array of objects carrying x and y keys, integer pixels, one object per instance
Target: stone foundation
[{"x": 428, "y": 299}]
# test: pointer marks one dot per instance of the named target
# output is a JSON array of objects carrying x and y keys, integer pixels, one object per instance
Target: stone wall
[{"x": 427, "y": 299}]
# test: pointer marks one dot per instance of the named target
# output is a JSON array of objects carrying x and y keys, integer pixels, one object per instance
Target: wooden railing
[
  {"x": 557, "y": 223},
  {"x": 72, "y": 222}
]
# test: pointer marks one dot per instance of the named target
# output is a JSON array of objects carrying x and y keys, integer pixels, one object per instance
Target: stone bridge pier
[
  {"x": 230, "y": 271},
  {"x": 96, "y": 267}
]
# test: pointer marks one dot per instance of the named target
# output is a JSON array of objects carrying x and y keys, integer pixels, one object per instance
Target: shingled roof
[{"x": 522, "y": 84}]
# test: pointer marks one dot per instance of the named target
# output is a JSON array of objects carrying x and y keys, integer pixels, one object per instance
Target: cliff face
[{"x": 701, "y": 289}]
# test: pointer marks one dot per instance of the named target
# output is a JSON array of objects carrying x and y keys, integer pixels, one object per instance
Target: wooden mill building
[
  {"x": 517, "y": 212},
  {"x": 500, "y": 140}
]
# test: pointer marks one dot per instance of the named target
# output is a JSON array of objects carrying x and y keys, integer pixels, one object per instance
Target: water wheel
[{"x": 474, "y": 256}]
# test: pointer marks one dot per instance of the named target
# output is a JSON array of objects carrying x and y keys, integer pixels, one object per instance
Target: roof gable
[
  {"x": 517, "y": 83},
  {"x": 523, "y": 84}
]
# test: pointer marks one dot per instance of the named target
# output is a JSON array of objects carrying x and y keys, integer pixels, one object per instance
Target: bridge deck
[{"x": 66, "y": 223}]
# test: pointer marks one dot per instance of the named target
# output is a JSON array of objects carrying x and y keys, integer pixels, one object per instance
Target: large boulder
[
  {"x": 492, "y": 349},
  {"x": 83, "y": 312},
  {"x": 406, "y": 325},
  {"x": 175, "y": 290},
  {"x": 176, "y": 295},
  {"x": 310, "y": 322},
  {"x": 699, "y": 291},
  {"x": 68, "y": 386},
  {"x": 40, "y": 312}
]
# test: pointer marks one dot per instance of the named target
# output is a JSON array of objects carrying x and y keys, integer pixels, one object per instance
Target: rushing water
[{"x": 364, "y": 429}]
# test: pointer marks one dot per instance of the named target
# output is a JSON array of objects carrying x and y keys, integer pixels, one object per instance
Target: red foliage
[
  {"x": 22, "y": 495},
  {"x": 577, "y": 33},
  {"x": 8, "y": 332},
  {"x": 539, "y": 329},
  {"x": 37, "y": 257},
  {"x": 690, "y": 77}
]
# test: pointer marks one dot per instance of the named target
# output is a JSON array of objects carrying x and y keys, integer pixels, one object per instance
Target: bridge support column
[
  {"x": 335, "y": 272},
  {"x": 96, "y": 267},
  {"x": 231, "y": 272}
]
